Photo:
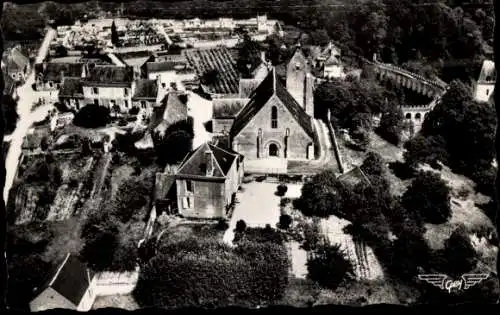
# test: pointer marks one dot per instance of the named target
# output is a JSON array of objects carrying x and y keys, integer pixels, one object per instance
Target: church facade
[{"x": 276, "y": 123}]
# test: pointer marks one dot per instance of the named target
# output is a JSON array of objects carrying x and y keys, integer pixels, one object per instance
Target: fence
[
  {"x": 115, "y": 283},
  {"x": 335, "y": 145}
]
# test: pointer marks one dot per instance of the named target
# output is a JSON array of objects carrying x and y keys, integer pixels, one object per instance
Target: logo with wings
[{"x": 446, "y": 283}]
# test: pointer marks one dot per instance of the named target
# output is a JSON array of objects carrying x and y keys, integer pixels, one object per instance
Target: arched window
[
  {"x": 487, "y": 92},
  {"x": 274, "y": 117},
  {"x": 408, "y": 116},
  {"x": 418, "y": 116}
]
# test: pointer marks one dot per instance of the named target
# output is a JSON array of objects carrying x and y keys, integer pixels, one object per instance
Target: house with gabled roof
[
  {"x": 224, "y": 112},
  {"x": 16, "y": 64},
  {"x": 71, "y": 287},
  {"x": 273, "y": 125},
  {"x": 109, "y": 86},
  {"x": 207, "y": 181},
  {"x": 50, "y": 76}
]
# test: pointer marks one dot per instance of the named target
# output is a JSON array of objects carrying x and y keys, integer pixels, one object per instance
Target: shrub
[
  {"x": 134, "y": 110},
  {"x": 285, "y": 221},
  {"x": 92, "y": 116},
  {"x": 222, "y": 225},
  {"x": 281, "y": 190},
  {"x": 459, "y": 254},
  {"x": 429, "y": 197},
  {"x": 261, "y": 235},
  {"x": 329, "y": 267},
  {"x": 240, "y": 226}
]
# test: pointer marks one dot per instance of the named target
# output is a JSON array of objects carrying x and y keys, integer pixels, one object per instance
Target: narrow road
[{"x": 27, "y": 97}]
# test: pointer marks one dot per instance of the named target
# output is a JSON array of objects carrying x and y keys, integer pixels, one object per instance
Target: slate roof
[
  {"x": 227, "y": 108},
  {"x": 194, "y": 163},
  {"x": 172, "y": 110},
  {"x": 53, "y": 71},
  {"x": 71, "y": 279},
  {"x": 354, "y": 177},
  {"x": 164, "y": 66},
  {"x": 247, "y": 86},
  {"x": 110, "y": 75},
  {"x": 145, "y": 89},
  {"x": 272, "y": 86},
  {"x": 71, "y": 87}
]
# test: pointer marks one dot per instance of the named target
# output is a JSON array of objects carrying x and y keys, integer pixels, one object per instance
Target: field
[{"x": 225, "y": 77}]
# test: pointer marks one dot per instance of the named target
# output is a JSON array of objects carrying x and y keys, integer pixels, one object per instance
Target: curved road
[{"x": 27, "y": 97}]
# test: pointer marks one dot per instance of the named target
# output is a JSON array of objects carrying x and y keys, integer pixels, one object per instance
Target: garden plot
[
  {"x": 366, "y": 265},
  {"x": 68, "y": 194}
]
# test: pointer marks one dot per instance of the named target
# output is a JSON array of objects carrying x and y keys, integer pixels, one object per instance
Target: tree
[
  {"x": 114, "y": 35},
  {"x": 131, "y": 196},
  {"x": 285, "y": 221},
  {"x": 429, "y": 197},
  {"x": 373, "y": 165},
  {"x": 329, "y": 266},
  {"x": 391, "y": 125},
  {"x": 460, "y": 255},
  {"x": 92, "y": 116},
  {"x": 248, "y": 56},
  {"x": 322, "y": 196},
  {"x": 101, "y": 241},
  {"x": 9, "y": 107},
  {"x": 240, "y": 226},
  {"x": 179, "y": 136}
]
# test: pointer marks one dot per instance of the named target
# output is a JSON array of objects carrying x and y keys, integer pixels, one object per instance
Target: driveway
[{"x": 257, "y": 205}]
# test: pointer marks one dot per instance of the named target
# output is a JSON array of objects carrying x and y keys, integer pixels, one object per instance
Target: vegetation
[
  {"x": 9, "y": 108},
  {"x": 27, "y": 268},
  {"x": 285, "y": 221},
  {"x": 460, "y": 133},
  {"x": 130, "y": 197},
  {"x": 114, "y": 34},
  {"x": 207, "y": 273},
  {"x": 179, "y": 136},
  {"x": 92, "y": 116},
  {"x": 248, "y": 56},
  {"x": 352, "y": 105},
  {"x": 329, "y": 266},
  {"x": 281, "y": 190},
  {"x": 260, "y": 235},
  {"x": 429, "y": 198}
]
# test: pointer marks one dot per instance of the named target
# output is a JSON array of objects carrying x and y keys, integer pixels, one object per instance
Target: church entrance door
[{"x": 273, "y": 149}]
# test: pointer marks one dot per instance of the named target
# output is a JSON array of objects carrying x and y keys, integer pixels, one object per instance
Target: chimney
[
  {"x": 62, "y": 76},
  {"x": 209, "y": 162},
  {"x": 158, "y": 81},
  {"x": 44, "y": 66}
]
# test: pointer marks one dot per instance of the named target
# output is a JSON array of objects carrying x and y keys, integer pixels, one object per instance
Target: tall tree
[{"x": 114, "y": 34}]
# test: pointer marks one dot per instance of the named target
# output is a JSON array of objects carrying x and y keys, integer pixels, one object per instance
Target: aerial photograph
[{"x": 250, "y": 153}]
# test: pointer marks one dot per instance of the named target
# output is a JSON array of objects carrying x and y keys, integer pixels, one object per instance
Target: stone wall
[{"x": 298, "y": 140}]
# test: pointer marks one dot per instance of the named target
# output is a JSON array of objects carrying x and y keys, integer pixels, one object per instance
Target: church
[{"x": 277, "y": 122}]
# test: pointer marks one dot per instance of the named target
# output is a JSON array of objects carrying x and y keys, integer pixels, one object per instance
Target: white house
[
  {"x": 72, "y": 287},
  {"x": 486, "y": 82},
  {"x": 109, "y": 86}
]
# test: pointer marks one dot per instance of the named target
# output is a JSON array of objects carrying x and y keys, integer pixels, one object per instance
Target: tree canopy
[
  {"x": 428, "y": 196},
  {"x": 329, "y": 266}
]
